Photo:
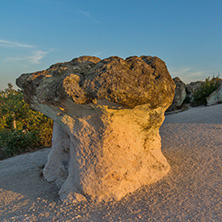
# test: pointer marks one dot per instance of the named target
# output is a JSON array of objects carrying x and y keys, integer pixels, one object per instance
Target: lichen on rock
[{"x": 107, "y": 115}]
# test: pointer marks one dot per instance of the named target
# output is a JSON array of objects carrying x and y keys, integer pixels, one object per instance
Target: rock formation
[
  {"x": 215, "y": 97},
  {"x": 180, "y": 94},
  {"x": 191, "y": 88},
  {"x": 107, "y": 115}
]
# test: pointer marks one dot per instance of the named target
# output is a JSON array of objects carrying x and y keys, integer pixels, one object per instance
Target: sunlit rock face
[{"x": 107, "y": 115}]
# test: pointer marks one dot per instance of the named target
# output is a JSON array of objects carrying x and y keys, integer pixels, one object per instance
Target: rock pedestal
[{"x": 107, "y": 115}]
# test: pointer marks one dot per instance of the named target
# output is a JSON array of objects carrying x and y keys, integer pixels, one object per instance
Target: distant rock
[
  {"x": 107, "y": 115},
  {"x": 215, "y": 97},
  {"x": 191, "y": 88},
  {"x": 180, "y": 94}
]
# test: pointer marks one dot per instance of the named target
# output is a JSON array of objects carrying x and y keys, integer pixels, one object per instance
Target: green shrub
[
  {"x": 16, "y": 142},
  {"x": 208, "y": 86},
  {"x": 21, "y": 129}
]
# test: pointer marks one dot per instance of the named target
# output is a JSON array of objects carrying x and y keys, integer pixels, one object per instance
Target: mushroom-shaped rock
[{"x": 107, "y": 115}]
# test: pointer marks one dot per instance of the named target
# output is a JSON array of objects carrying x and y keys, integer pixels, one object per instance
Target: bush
[
  {"x": 21, "y": 129},
  {"x": 16, "y": 142},
  {"x": 208, "y": 86}
]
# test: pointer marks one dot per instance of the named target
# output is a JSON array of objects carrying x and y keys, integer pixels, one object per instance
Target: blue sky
[{"x": 186, "y": 34}]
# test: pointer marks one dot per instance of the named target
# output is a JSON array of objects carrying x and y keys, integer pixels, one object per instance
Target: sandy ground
[{"x": 192, "y": 191}]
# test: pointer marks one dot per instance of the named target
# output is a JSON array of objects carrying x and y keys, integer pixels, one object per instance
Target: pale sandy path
[{"x": 192, "y": 191}]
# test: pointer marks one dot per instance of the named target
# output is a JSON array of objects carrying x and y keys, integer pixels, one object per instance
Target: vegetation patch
[
  {"x": 208, "y": 86},
  {"x": 21, "y": 129}
]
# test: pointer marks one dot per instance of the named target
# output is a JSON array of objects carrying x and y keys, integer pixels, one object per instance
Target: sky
[{"x": 186, "y": 34}]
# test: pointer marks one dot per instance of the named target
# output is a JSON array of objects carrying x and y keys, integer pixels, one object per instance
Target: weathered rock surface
[
  {"x": 107, "y": 115},
  {"x": 180, "y": 94},
  {"x": 191, "y": 88},
  {"x": 215, "y": 97}
]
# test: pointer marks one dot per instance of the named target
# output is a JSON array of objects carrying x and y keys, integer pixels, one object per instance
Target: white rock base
[{"x": 103, "y": 153}]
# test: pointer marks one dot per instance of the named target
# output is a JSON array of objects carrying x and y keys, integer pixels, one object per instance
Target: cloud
[
  {"x": 5, "y": 43},
  {"x": 88, "y": 15},
  {"x": 188, "y": 74},
  {"x": 35, "y": 58},
  {"x": 96, "y": 54}
]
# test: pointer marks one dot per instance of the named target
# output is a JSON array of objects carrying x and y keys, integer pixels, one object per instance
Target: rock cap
[{"x": 129, "y": 82}]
